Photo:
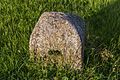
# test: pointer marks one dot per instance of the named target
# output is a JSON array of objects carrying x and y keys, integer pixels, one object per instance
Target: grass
[{"x": 102, "y": 44}]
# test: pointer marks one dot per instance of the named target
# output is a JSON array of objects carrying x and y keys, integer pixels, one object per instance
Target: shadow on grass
[{"x": 102, "y": 48}]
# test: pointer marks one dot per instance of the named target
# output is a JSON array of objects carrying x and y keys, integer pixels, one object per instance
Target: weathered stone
[{"x": 58, "y": 32}]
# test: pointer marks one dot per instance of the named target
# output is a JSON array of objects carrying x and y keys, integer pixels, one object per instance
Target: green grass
[{"x": 102, "y": 43}]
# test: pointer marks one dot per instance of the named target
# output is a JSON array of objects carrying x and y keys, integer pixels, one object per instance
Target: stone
[{"x": 59, "y": 33}]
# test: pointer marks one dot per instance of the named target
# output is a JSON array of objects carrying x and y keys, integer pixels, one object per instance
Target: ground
[{"x": 102, "y": 41}]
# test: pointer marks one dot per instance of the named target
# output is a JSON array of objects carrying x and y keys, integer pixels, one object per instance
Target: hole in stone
[{"x": 54, "y": 52}]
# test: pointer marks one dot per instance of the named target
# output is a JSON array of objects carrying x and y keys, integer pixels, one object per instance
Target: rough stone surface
[{"x": 58, "y": 31}]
